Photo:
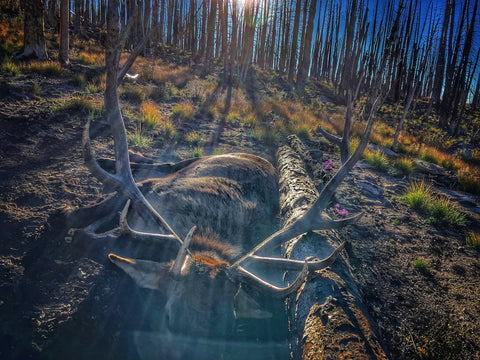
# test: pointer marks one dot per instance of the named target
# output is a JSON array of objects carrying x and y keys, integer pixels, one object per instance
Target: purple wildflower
[{"x": 327, "y": 165}]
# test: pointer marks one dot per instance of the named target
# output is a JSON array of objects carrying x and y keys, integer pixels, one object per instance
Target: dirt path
[{"x": 55, "y": 297}]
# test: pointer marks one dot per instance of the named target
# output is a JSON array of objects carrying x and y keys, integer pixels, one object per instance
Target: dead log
[{"x": 327, "y": 315}]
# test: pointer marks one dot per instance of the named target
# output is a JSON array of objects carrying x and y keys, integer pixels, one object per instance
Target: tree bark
[
  {"x": 64, "y": 23},
  {"x": 34, "y": 39},
  {"x": 293, "y": 53}
]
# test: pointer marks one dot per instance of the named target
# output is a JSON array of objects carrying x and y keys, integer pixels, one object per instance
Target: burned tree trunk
[{"x": 327, "y": 317}]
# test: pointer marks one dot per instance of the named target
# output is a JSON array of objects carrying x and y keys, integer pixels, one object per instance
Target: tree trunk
[
  {"x": 327, "y": 317},
  {"x": 305, "y": 56},
  {"x": 34, "y": 39},
  {"x": 293, "y": 53},
  {"x": 64, "y": 23}
]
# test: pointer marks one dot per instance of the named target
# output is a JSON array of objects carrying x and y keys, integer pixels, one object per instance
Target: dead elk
[{"x": 212, "y": 210}]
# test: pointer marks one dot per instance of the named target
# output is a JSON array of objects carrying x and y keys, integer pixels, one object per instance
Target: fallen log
[{"x": 327, "y": 315}]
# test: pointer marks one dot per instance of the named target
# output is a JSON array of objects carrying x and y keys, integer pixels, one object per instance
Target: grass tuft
[
  {"x": 132, "y": 93},
  {"x": 150, "y": 114},
  {"x": 468, "y": 181},
  {"x": 376, "y": 158},
  {"x": 473, "y": 240},
  {"x": 47, "y": 68},
  {"x": 422, "y": 265},
  {"x": 138, "y": 139},
  {"x": 9, "y": 68},
  {"x": 195, "y": 138},
  {"x": 405, "y": 165},
  {"x": 196, "y": 152},
  {"x": 438, "y": 208},
  {"x": 183, "y": 111}
]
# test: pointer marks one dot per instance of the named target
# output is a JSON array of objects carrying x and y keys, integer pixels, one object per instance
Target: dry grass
[
  {"x": 441, "y": 158},
  {"x": 468, "y": 181},
  {"x": 48, "y": 68},
  {"x": 183, "y": 111},
  {"x": 159, "y": 72},
  {"x": 11, "y": 35},
  {"x": 150, "y": 114},
  {"x": 90, "y": 58}
]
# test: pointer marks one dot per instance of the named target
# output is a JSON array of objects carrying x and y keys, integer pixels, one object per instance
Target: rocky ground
[{"x": 56, "y": 298}]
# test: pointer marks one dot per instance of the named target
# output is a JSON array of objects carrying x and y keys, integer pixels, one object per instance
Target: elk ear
[
  {"x": 147, "y": 274},
  {"x": 246, "y": 307}
]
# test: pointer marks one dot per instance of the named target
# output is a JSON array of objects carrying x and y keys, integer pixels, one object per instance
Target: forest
[{"x": 365, "y": 112}]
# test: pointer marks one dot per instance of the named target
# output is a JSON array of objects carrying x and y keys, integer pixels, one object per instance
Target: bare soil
[{"x": 61, "y": 301}]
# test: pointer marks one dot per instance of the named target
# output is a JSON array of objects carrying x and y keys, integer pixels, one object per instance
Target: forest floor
[{"x": 55, "y": 297}]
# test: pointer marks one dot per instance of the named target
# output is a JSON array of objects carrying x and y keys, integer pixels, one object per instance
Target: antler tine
[
  {"x": 289, "y": 264},
  {"x": 139, "y": 235},
  {"x": 182, "y": 254},
  {"x": 265, "y": 287},
  {"x": 122, "y": 181},
  {"x": 312, "y": 219}
]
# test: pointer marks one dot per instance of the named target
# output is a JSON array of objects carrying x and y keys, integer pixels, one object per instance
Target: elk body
[{"x": 232, "y": 202}]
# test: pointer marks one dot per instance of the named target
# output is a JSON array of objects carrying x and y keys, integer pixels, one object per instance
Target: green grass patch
[
  {"x": 195, "y": 138},
  {"x": 405, "y": 165},
  {"x": 196, "y": 152},
  {"x": 473, "y": 240},
  {"x": 138, "y": 139},
  {"x": 437, "y": 208},
  {"x": 9, "y": 68},
  {"x": 220, "y": 151},
  {"x": 376, "y": 158},
  {"x": 78, "y": 103},
  {"x": 422, "y": 265}
]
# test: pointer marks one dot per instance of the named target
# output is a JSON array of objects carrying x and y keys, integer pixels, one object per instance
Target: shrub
[
  {"x": 183, "y": 111},
  {"x": 405, "y": 165},
  {"x": 376, "y": 158}
]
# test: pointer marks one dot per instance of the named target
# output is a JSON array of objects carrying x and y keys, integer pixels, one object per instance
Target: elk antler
[
  {"x": 123, "y": 182},
  {"x": 311, "y": 220}
]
